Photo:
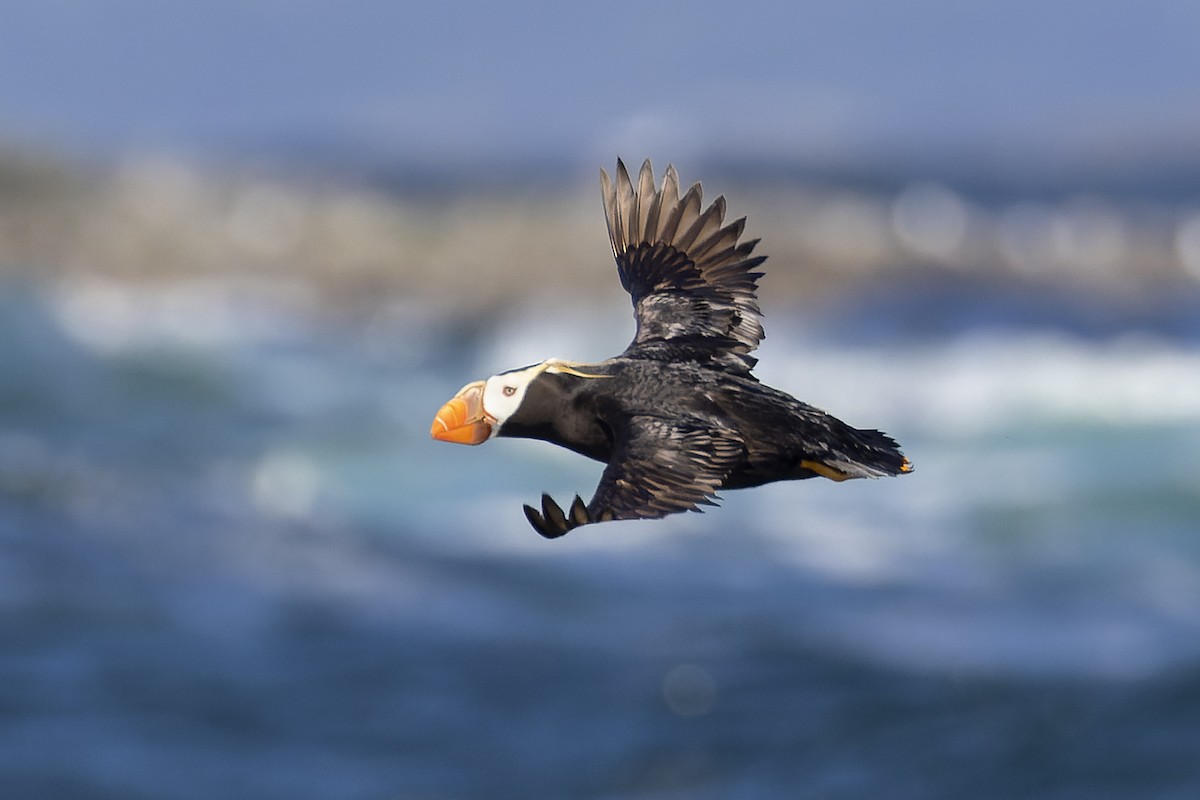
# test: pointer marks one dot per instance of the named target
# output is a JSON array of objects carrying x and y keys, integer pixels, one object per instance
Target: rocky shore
[{"x": 157, "y": 219}]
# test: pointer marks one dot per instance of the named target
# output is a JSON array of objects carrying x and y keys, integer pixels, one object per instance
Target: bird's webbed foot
[{"x": 552, "y": 522}]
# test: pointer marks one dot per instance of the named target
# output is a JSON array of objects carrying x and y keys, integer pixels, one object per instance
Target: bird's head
[{"x": 480, "y": 409}]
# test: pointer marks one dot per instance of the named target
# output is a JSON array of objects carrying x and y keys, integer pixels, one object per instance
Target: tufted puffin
[{"x": 678, "y": 416}]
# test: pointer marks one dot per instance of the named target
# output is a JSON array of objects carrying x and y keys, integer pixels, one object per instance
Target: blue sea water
[{"x": 233, "y": 564}]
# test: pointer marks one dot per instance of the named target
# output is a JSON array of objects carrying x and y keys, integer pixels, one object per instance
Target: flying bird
[{"x": 678, "y": 416}]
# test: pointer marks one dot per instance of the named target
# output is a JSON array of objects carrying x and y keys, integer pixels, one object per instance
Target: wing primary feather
[
  {"x": 668, "y": 221},
  {"x": 724, "y": 261},
  {"x": 721, "y": 239},
  {"x": 645, "y": 199},
  {"x": 689, "y": 206},
  {"x": 668, "y": 199},
  {"x": 682, "y": 214},
  {"x": 703, "y": 226},
  {"x": 626, "y": 203},
  {"x": 652, "y": 217}
]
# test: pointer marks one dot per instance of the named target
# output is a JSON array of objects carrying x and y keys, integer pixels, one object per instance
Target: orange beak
[{"x": 462, "y": 419}]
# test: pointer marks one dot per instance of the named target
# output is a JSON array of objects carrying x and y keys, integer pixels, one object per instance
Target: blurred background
[{"x": 247, "y": 250}]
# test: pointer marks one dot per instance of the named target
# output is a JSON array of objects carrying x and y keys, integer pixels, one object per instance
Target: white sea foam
[
  {"x": 987, "y": 381},
  {"x": 110, "y": 317}
]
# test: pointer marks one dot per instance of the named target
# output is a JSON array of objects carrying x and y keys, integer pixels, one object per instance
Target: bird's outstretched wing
[
  {"x": 693, "y": 284},
  {"x": 658, "y": 467}
]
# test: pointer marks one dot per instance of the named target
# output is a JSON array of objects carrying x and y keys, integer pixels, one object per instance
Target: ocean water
[{"x": 233, "y": 564}]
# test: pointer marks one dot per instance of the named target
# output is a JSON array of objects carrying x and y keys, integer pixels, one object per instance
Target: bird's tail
[{"x": 861, "y": 454}]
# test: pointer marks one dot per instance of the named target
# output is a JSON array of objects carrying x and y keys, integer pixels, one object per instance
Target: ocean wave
[{"x": 1053, "y": 470}]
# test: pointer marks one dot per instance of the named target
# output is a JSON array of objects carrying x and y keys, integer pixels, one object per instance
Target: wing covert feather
[{"x": 662, "y": 467}]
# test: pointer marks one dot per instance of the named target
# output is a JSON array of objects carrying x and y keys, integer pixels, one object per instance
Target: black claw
[
  {"x": 535, "y": 519},
  {"x": 579, "y": 512},
  {"x": 552, "y": 523},
  {"x": 553, "y": 513}
]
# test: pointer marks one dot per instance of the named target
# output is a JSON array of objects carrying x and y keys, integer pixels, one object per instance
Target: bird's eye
[{"x": 509, "y": 391}]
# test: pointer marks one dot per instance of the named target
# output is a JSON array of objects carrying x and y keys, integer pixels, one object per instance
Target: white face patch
[{"x": 503, "y": 393}]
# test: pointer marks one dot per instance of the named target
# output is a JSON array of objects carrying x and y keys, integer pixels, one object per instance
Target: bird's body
[
  {"x": 776, "y": 432},
  {"x": 678, "y": 415}
]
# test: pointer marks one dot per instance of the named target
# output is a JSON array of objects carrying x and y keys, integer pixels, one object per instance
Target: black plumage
[{"x": 678, "y": 415}]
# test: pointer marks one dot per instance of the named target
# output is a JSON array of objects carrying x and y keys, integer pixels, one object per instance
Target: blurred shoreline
[{"x": 160, "y": 219}]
